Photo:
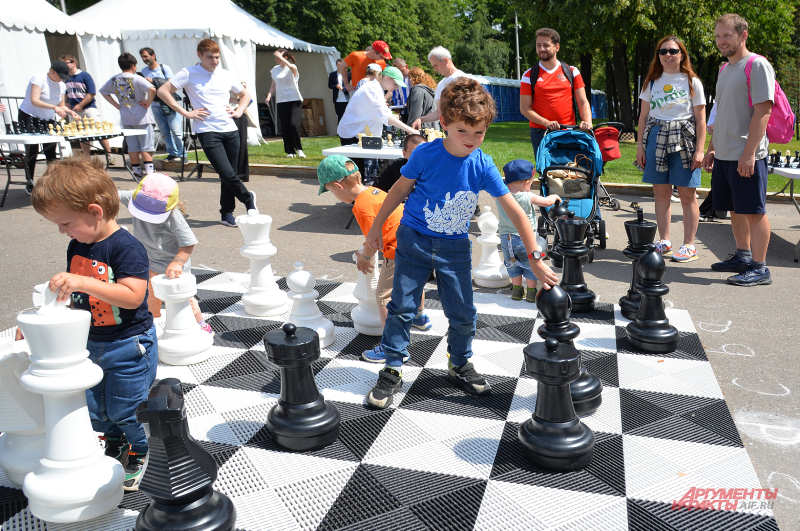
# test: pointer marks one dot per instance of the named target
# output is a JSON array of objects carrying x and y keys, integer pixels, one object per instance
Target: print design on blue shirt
[{"x": 455, "y": 214}]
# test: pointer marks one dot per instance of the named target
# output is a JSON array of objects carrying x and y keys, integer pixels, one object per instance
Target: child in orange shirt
[{"x": 339, "y": 175}]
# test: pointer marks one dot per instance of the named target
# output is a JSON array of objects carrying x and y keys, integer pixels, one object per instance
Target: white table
[
  {"x": 354, "y": 152},
  {"x": 792, "y": 174}
]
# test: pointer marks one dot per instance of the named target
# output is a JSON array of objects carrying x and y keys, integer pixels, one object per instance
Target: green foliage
[{"x": 481, "y": 52}]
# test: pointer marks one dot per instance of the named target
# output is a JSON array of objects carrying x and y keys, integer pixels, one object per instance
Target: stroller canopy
[{"x": 560, "y": 147}]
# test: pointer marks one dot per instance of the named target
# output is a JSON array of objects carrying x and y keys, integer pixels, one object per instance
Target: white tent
[{"x": 174, "y": 27}]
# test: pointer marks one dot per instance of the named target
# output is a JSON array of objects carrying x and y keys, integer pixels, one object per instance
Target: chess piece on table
[
  {"x": 490, "y": 271},
  {"x": 797, "y": 157},
  {"x": 264, "y": 298},
  {"x": 367, "y": 131},
  {"x": 301, "y": 420},
  {"x": 22, "y": 421},
  {"x": 555, "y": 438},
  {"x": 651, "y": 331},
  {"x": 389, "y": 142},
  {"x": 183, "y": 342},
  {"x": 180, "y": 473},
  {"x": 305, "y": 312},
  {"x": 788, "y": 155},
  {"x": 366, "y": 316},
  {"x": 572, "y": 247},
  {"x": 51, "y": 132},
  {"x": 555, "y": 307},
  {"x": 640, "y": 234},
  {"x": 360, "y": 136},
  {"x": 75, "y": 480}
]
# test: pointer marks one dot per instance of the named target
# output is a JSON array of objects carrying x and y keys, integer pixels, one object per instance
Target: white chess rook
[
  {"x": 75, "y": 480},
  {"x": 21, "y": 414},
  {"x": 183, "y": 342},
  {"x": 305, "y": 311},
  {"x": 366, "y": 316},
  {"x": 264, "y": 298},
  {"x": 490, "y": 271}
]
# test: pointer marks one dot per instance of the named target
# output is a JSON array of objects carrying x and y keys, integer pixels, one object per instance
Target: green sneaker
[
  {"x": 134, "y": 471},
  {"x": 517, "y": 292},
  {"x": 530, "y": 295},
  {"x": 116, "y": 447}
]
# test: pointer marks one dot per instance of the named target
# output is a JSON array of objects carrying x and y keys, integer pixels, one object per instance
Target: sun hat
[
  {"x": 154, "y": 198},
  {"x": 374, "y": 67},
  {"x": 518, "y": 170},
  {"x": 395, "y": 74},
  {"x": 382, "y": 48},
  {"x": 62, "y": 69},
  {"x": 333, "y": 168}
]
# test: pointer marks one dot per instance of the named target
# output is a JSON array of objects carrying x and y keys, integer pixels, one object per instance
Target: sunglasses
[{"x": 671, "y": 51}]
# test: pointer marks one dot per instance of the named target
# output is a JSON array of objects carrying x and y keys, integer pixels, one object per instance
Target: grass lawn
[{"x": 505, "y": 141}]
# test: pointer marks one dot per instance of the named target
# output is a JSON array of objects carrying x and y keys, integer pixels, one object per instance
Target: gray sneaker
[
  {"x": 389, "y": 382},
  {"x": 467, "y": 379}
]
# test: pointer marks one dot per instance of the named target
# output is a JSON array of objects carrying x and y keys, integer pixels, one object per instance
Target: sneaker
[
  {"x": 290, "y": 156},
  {"x": 228, "y": 220},
  {"x": 732, "y": 264},
  {"x": 376, "y": 355},
  {"x": 29, "y": 187},
  {"x": 134, "y": 471},
  {"x": 112, "y": 160},
  {"x": 705, "y": 218},
  {"x": 207, "y": 328},
  {"x": 517, "y": 293},
  {"x": 423, "y": 322},
  {"x": 530, "y": 295},
  {"x": 116, "y": 447},
  {"x": 466, "y": 378},
  {"x": 674, "y": 198},
  {"x": 170, "y": 158},
  {"x": 687, "y": 253},
  {"x": 300, "y": 154},
  {"x": 389, "y": 382},
  {"x": 664, "y": 247},
  {"x": 751, "y": 277},
  {"x": 253, "y": 205}
]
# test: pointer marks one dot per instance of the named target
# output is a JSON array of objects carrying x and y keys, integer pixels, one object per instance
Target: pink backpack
[{"x": 780, "y": 128}]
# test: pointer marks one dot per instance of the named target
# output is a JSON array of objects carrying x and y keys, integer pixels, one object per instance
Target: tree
[{"x": 481, "y": 52}]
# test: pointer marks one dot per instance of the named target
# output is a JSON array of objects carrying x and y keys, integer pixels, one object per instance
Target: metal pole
[
  {"x": 516, "y": 34},
  {"x": 63, "y": 7}
]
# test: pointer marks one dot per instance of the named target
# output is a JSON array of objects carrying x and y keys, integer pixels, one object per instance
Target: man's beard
[
  {"x": 731, "y": 51},
  {"x": 545, "y": 56}
]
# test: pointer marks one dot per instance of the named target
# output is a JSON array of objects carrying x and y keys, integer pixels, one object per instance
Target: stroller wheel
[
  {"x": 601, "y": 233},
  {"x": 614, "y": 204}
]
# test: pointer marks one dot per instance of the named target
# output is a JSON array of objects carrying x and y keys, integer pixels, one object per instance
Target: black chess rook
[
  {"x": 555, "y": 307},
  {"x": 180, "y": 473},
  {"x": 554, "y": 438},
  {"x": 651, "y": 331},
  {"x": 301, "y": 420},
  {"x": 572, "y": 247},
  {"x": 640, "y": 233}
]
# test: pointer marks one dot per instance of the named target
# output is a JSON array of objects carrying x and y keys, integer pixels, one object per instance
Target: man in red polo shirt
[
  {"x": 377, "y": 52},
  {"x": 547, "y": 101}
]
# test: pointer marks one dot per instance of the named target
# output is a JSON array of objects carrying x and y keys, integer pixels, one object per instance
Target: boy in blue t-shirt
[
  {"x": 107, "y": 274},
  {"x": 446, "y": 177}
]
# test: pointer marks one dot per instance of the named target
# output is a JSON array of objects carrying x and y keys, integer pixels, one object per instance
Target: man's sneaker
[
  {"x": 207, "y": 328},
  {"x": 466, "y": 378},
  {"x": 751, "y": 277},
  {"x": 170, "y": 158},
  {"x": 300, "y": 154},
  {"x": 423, "y": 322},
  {"x": 687, "y": 253},
  {"x": 252, "y": 205},
  {"x": 112, "y": 160},
  {"x": 134, "y": 471},
  {"x": 290, "y": 156},
  {"x": 664, "y": 247},
  {"x": 376, "y": 355},
  {"x": 116, "y": 447},
  {"x": 517, "y": 293},
  {"x": 29, "y": 187},
  {"x": 228, "y": 220},
  {"x": 674, "y": 198},
  {"x": 732, "y": 264},
  {"x": 389, "y": 382}
]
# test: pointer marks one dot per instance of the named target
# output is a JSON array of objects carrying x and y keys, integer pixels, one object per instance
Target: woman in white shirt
[
  {"x": 289, "y": 102},
  {"x": 672, "y": 136}
]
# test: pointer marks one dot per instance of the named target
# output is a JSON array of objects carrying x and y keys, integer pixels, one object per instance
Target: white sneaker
[
  {"x": 290, "y": 156},
  {"x": 674, "y": 198},
  {"x": 300, "y": 154}
]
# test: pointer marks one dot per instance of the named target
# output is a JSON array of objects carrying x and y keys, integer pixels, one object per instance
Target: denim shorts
[
  {"x": 676, "y": 174},
  {"x": 514, "y": 248},
  {"x": 734, "y": 193}
]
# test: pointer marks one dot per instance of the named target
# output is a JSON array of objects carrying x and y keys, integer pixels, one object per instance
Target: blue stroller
[{"x": 570, "y": 145}]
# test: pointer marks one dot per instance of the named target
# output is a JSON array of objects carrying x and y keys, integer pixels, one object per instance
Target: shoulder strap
[
  {"x": 534, "y": 76},
  {"x": 568, "y": 74},
  {"x": 747, "y": 69}
]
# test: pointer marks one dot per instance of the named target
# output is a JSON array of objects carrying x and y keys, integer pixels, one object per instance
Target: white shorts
[{"x": 141, "y": 143}]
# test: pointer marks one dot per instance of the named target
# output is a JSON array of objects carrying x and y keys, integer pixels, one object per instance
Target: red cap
[{"x": 382, "y": 48}]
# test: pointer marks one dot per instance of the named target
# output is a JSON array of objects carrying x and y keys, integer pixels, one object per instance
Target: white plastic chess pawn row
[
  {"x": 305, "y": 311},
  {"x": 264, "y": 298},
  {"x": 366, "y": 316},
  {"x": 183, "y": 342},
  {"x": 490, "y": 271}
]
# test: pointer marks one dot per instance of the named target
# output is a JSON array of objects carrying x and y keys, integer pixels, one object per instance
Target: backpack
[
  {"x": 780, "y": 128},
  {"x": 568, "y": 74}
]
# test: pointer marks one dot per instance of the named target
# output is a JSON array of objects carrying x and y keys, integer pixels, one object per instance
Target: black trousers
[
  {"x": 243, "y": 162},
  {"x": 32, "y": 150},
  {"x": 290, "y": 113},
  {"x": 340, "y": 107},
  {"x": 359, "y": 161},
  {"x": 222, "y": 150}
]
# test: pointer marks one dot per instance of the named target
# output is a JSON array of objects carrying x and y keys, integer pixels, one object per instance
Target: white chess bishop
[
  {"x": 490, "y": 271},
  {"x": 75, "y": 480},
  {"x": 366, "y": 316},
  {"x": 304, "y": 308},
  {"x": 183, "y": 342},
  {"x": 264, "y": 298}
]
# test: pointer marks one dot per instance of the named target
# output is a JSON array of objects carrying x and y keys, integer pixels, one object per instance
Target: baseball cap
[
  {"x": 154, "y": 198},
  {"x": 62, "y": 69},
  {"x": 333, "y": 168},
  {"x": 518, "y": 170},
  {"x": 382, "y": 48},
  {"x": 373, "y": 67},
  {"x": 395, "y": 74}
]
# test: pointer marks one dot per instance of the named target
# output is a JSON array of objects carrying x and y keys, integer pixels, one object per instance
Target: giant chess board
[{"x": 441, "y": 459}]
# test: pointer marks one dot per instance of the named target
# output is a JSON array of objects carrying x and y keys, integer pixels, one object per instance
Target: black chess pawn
[
  {"x": 555, "y": 307},
  {"x": 16, "y": 127},
  {"x": 560, "y": 208},
  {"x": 301, "y": 420},
  {"x": 572, "y": 247},
  {"x": 797, "y": 157},
  {"x": 180, "y": 473},
  {"x": 788, "y": 162},
  {"x": 554, "y": 438},
  {"x": 651, "y": 331},
  {"x": 640, "y": 233}
]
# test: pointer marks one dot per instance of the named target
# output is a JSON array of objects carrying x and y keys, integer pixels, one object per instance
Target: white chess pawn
[
  {"x": 366, "y": 316},
  {"x": 304, "y": 309},
  {"x": 22, "y": 419},
  {"x": 264, "y": 298},
  {"x": 75, "y": 480},
  {"x": 183, "y": 342},
  {"x": 490, "y": 271}
]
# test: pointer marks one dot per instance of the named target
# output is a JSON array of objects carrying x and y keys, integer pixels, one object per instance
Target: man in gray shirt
[{"x": 737, "y": 154}]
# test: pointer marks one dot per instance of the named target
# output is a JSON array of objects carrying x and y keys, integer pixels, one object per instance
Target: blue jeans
[
  {"x": 537, "y": 135},
  {"x": 416, "y": 256},
  {"x": 170, "y": 127},
  {"x": 129, "y": 369},
  {"x": 514, "y": 248}
]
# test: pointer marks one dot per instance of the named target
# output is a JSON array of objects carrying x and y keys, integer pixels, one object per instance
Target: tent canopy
[{"x": 39, "y": 15}]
